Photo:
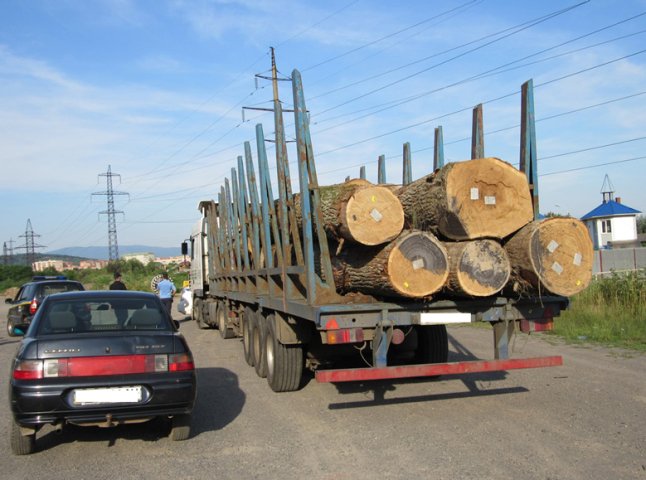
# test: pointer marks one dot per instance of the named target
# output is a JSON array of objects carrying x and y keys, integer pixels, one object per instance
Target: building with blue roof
[{"x": 612, "y": 222}]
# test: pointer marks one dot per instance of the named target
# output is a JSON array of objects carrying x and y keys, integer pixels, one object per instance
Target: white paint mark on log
[
  {"x": 577, "y": 259},
  {"x": 557, "y": 268},
  {"x": 475, "y": 193},
  {"x": 553, "y": 245},
  {"x": 489, "y": 200},
  {"x": 376, "y": 215},
  {"x": 418, "y": 263}
]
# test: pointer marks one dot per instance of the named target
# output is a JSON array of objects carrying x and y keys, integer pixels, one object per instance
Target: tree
[{"x": 641, "y": 224}]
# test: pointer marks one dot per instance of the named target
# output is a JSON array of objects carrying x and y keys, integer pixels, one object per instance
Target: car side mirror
[
  {"x": 184, "y": 248},
  {"x": 18, "y": 332},
  {"x": 176, "y": 323},
  {"x": 8, "y": 300}
]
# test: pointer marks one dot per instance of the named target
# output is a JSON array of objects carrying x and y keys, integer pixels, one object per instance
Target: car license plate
[{"x": 98, "y": 396}]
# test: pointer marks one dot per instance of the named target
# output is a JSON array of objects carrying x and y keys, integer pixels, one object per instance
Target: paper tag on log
[
  {"x": 577, "y": 259},
  {"x": 557, "y": 268},
  {"x": 376, "y": 215},
  {"x": 475, "y": 193},
  {"x": 553, "y": 245},
  {"x": 489, "y": 200},
  {"x": 418, "y": 263}
]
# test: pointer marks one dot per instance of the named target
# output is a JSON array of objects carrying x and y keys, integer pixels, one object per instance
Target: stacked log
[
  {"x": 413, "y": 265},
  {"x": 477, "y": 268},
  {"x": 481, "y": 198},
  {"x": 553, "y": 255},
  {"x": 465, "y": 230},
  {"x": 359, "y": 211}
]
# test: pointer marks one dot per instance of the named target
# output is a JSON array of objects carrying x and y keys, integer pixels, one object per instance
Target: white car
[{"x": 185, "y": 304}]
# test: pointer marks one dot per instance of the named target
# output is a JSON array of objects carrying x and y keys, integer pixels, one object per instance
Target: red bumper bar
[{"x": 434, "y": 369}]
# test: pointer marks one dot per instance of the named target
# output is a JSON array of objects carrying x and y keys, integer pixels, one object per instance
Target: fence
[{"x": 618, "y": 260}]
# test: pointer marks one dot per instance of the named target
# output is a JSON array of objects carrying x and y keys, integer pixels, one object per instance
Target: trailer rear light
[
  {"x": 345, "y": 335},
  {"x": 28, "y": 370},
  {"x": 181, "y": 361},
  {"x": 33, "y": 306},
  {"x": 101, "y": 366}
]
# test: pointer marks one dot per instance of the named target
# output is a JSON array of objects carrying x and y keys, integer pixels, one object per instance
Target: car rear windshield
[
  {"x": 51, "y": 288},
  {"x": 97, "y": 314}
]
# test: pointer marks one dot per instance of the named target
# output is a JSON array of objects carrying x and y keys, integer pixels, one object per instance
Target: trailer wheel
[
  {"x": 221, "y": 313},
  {"x": 198, "y": 314},
  {"x": 258, "y": 334},
  {"x": 284, "y": 362},
  {"x": 247, "y": 320},
  {"x": 432, "y": 344}
]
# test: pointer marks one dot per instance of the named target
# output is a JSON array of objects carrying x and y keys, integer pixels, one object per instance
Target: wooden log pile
[{"x": 466, "y": 230}]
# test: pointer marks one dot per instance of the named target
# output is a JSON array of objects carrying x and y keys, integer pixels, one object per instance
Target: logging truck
[{"x": 358, "y": 281}]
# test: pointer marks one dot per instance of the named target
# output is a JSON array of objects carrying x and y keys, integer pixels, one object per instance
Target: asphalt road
[{"x": 584, "y": 420}]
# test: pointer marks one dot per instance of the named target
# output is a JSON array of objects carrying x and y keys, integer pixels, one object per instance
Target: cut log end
[
  {"x": 418, "y": 265},
  {"x": 490, "y": 198},
  {"x": 479, "y": 268},
  {"x": 372, "y": 216},
  {"x": 553, "y": 254}
]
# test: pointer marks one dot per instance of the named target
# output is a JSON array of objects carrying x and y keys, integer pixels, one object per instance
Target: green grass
[{"x": 611, "y": 311}]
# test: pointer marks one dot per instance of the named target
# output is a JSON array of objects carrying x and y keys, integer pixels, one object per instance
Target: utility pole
[
  {"x": 30, "y": 246},
  {"x": 112, "y": 222}
]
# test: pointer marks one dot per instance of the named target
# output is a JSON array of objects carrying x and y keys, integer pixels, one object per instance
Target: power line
[{"x": 592, "y": 166}]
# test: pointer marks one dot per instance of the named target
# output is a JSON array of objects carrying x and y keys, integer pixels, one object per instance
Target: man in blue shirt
[{"x": 166, "y": 290}]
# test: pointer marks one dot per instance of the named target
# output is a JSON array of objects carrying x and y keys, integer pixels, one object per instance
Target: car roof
[
  {"x": 107, "y": 294},
  {"x": 50, "y": 282}
]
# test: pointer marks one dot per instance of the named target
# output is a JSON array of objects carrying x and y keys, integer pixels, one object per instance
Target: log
[
  {"x": 413, "y": 265},
  {"x": 477, "y": 268},
  {"x": 481, "y": 198},
  {"x": 358, "y": 211},
  {"x": 553, "y": 255}
]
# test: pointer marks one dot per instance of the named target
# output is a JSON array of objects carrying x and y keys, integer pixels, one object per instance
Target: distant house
[
  {"x": 612, "y": 224},
  {"x": 145, "y": 257}
]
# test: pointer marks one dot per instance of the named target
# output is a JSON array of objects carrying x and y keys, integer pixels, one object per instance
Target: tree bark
[
  {"x": 413, "y": 265},
  {"x": 479, "y": 198},
  {"x": 477, "y": 268},
  {"x": 552, "y": 255},
  {"x": 358, "y": 211}
]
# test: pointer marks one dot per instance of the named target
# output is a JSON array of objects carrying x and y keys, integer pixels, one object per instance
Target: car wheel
[
  {"x": 21, "y": 444},
  {"x": 180, "y": 427},
  {"x": 10, "y": 328}
]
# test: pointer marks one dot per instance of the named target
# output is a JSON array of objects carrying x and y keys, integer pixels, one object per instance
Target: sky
[{"x": 152, "y": 91}]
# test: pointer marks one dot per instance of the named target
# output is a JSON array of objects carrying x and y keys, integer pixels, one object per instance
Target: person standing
[
  {"x": 117, "y": 284},
  {"x": 166, "y": 290}
]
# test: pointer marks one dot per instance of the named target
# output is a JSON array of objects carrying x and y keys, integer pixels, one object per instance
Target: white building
[{"x": 612, "y": 222}]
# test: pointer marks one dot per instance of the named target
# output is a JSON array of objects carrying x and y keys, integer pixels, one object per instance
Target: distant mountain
[{"x": 102, "y": 253}]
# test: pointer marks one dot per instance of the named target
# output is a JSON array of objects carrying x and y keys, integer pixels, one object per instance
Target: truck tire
[
  {"x": 198, "y": 314},
  {"x": 432, "y": 344},
  {"x": 221, "y": 313},
  {"x": 21, "y": 444},
  {"x": 247, "y": 319},
  {"x": 258, "y": 334},
  {"x": 284, "y": 362}
]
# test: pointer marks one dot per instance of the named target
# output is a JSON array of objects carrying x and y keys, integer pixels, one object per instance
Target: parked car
[
  {"x": 30, "y": 296},
  {"x": 100, "y": 358}
]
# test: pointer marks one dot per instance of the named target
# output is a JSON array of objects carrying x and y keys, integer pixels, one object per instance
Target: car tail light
[
  {"x": 101, "y": 366},
  {"x": 33, "y": 306},
  {"x": 181, "y": 361},
  {"x": 28, "y": 369}
]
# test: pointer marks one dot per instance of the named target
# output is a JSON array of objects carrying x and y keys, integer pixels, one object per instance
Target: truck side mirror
[{"x": 184, "y": 248}]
